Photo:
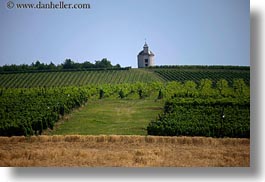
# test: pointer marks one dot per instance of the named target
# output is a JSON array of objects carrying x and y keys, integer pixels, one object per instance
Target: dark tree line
[{"x": 68, "y": 64}]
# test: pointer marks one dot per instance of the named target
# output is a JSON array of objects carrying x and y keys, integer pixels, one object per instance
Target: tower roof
[{"x": 150, "y": 53}]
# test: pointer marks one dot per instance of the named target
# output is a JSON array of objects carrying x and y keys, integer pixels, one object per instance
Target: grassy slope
[{"x": 121, "y": 117}]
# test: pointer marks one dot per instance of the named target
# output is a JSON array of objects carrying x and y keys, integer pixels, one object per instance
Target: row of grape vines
[
  {"x": 30, "y": 111},
  {"x": 197, "y": 75},
  {"x": 78, "y": 78},
  {"x": 203, "y": 117}
]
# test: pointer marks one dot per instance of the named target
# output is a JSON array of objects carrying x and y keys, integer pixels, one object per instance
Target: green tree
[
  {"x": 104, "y": 63},
  {"x": 68, "y": 64},
  {"x": 87, "y": 64},
  {"x": 51, "y": 66}
]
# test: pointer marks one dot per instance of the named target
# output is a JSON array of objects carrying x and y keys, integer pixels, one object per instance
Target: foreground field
[{"x": 124, "y": 151}]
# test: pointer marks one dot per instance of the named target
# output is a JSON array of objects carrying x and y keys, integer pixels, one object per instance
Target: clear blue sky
[{"x": 184, "y": 32}]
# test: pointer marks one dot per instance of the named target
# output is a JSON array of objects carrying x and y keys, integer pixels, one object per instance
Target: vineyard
[
  {"x": 196, "y": 117},
  {"x": 206, "y": 111},
  {"x": 196, "y": 75},
  {"x": 81, "y": 78},
  {"x": 75, "y": 78},
  {"x": 199, "y": 100},
  {"x": 29, "y": 111}
]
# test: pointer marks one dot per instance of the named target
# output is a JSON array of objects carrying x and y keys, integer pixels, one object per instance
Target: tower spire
[{"x": 145, "y": 44}]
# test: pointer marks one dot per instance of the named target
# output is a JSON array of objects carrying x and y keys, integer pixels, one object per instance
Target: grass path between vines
[{"x": 110, "y": 117}]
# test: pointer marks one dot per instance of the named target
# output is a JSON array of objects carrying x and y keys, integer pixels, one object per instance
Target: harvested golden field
[{"x": 124, "y": 151}]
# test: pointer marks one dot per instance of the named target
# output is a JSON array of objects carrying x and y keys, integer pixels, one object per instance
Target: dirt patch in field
[{"x": 155, "y": 108}]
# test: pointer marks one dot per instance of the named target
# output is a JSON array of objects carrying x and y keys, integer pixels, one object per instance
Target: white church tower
[{"x": 145, "y": 57}]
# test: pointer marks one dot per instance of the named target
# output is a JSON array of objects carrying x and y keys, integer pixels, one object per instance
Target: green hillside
[
  {"x": 76, "y": 78},
  {"x": 80, "y": 78}
]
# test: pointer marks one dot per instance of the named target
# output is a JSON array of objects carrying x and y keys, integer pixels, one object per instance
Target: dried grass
[{"x": 124, "y": 151}]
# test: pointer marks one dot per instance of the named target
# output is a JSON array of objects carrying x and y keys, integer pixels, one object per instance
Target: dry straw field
[{"x": 124, "y": 151}]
